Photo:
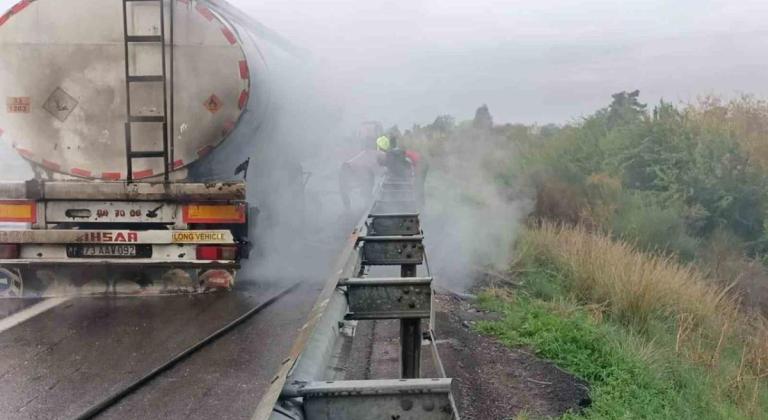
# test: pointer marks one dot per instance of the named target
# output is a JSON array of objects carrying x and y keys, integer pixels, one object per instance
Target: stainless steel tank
[{"x": 62, "y": 80}]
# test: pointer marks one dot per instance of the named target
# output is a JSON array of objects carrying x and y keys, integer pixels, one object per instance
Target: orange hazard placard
[
  {"x": 19, "y": 104},
  {"x": 213, "y": 104}
]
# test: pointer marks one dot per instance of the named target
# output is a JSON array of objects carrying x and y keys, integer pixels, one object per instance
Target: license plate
[{"x": 103, "y": 251}]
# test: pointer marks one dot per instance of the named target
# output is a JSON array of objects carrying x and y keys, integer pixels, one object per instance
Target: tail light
[
  {"x": 215, "y": 213},
  {"x": 18, "y": 211},
  {"x": 216, "y": 253},
  {"x": 10, "y": 251}
]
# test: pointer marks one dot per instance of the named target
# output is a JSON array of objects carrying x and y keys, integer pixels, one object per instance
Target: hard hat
[{"x": 382, "y": 143}]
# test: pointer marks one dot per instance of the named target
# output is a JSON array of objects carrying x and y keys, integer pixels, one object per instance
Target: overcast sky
[
  {"x": 540, "y": 61},
  {"x": 530, "y": 61}
]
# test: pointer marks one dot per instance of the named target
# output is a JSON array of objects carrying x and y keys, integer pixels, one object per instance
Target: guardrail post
[
  {"x": 410, "y": 337},
  {"x": 395, "y": 216}
]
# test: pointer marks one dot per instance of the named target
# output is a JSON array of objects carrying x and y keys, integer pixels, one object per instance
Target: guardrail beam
[
  {"x": 404, "y": 224},
  {"x": 392, "y": 250},
  {"x": 389, "y": 298},
  {"x": 413, "y": 399}
]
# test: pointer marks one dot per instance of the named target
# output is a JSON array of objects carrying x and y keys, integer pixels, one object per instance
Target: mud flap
[{"x": 11, "y": 283}]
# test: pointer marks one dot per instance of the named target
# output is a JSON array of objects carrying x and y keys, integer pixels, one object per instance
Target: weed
[{"x": 655, "y": 339}]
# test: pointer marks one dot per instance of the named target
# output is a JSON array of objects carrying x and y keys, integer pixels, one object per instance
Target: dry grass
[
  {"x": 640, "y": 290},
  {"x": 635, "y": 285}
]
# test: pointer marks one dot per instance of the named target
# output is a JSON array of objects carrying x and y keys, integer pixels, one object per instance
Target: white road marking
[{"x": 28, "y": 313}]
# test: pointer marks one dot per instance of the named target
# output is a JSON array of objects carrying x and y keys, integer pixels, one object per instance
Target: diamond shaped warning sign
[
  {"x": 60, "y": 104},
  {"x": 213, "y": 104}
]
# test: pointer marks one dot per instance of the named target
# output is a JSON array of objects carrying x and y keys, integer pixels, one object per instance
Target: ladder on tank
[{"x": 166, "y": 153}]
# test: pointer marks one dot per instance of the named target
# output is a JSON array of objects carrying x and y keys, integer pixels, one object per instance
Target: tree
[
  {"x": 625, "y": 109},
  {"x": 483, "y": 119},
  {"x": 443, "y": 124}
]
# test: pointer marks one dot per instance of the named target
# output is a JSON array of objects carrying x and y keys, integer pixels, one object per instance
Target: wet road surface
[{"x": 57, "y": 363}]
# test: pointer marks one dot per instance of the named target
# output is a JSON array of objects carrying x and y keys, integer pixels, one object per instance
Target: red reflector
[
  {"x": 9, "y": 251},
  {"x": 214, "y": 253}
]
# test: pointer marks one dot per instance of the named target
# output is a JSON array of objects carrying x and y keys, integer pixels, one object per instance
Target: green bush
[{"x": 651, "y": 227}]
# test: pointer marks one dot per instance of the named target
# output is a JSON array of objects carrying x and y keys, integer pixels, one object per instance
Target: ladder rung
[
  {"x": 153, "y": 78},
  {"x": 146, "y": 119},
  {"x": 144, "y": 38},
  {"x": 147, "y": 154}
]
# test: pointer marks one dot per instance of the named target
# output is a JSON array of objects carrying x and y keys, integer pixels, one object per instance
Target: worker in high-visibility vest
[
  {"x": 360, "y": 172},
  {"x": 404, "y": 164}
]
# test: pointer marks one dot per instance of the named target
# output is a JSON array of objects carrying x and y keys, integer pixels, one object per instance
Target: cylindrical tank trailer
[
  {"x": 63, "y": 80},
  {"x": 124, "y": 109}
]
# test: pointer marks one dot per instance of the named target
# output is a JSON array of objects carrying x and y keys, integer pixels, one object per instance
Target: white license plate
[{"x": 120, "y": 251}]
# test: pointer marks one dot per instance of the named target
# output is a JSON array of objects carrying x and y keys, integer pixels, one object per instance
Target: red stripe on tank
[
  {"x": 4, "y": 18},
  {"x": 229, "y": 35},
  {"x": 204, "y": 151},
  {"x": 111, "y": 176},
  {"x": 20, "y": 6},
  {"x": 51, "y": 165},
  {"x": 81, "y": 172},
  {"x": 143, "y": 174},
  {"x": 205, "y": 12},
  {"x": 244, "y": 73},
  {"x": 243, "y": 101},
  {"x": 178, "y": 164},
  {"x": 26, "y": 153}
]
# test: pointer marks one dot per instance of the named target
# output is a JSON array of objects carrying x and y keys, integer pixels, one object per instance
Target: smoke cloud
[{"x": 472, "y": 214}]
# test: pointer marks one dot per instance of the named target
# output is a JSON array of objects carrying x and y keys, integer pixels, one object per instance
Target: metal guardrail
[{"x": 309, "y": 385}]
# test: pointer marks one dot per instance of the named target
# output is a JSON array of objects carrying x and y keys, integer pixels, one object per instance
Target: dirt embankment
[{"x": 493, "y": 381}]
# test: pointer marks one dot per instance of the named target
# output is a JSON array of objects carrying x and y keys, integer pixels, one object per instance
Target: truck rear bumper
[
  {"x": 39, "y": 262},
  {"x": 52, "y": 278},
  {"x": 141, "y": 262}
]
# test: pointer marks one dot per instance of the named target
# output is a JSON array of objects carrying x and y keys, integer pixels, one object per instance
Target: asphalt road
[{"x": 57, "y": 363}]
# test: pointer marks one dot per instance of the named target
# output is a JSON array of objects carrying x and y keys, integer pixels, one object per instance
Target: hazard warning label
[
  {"x": 213, "y": 104},
  {"x": 18, "y": 104},
  {"x": 60, "y": 104}
]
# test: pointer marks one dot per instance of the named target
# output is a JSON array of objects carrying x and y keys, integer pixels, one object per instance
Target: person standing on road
[
  {"x": 394, "y": 159},
  {"x": 359, "y": 174},
  {"x": 404, "y": 164}
]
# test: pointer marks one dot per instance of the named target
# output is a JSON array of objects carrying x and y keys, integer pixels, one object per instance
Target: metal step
[
  {"x": 146, "y": 119},
  {"x": 144, "y": 38},
  {"x": 147, "y": 154},
  {"x": 147, "y": 78}
]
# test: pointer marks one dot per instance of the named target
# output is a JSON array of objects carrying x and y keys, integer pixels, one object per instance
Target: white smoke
[{"x": 472, "y": 218}]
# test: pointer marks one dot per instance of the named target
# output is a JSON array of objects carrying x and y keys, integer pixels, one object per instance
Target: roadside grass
[{"x": 655, "y": 339}]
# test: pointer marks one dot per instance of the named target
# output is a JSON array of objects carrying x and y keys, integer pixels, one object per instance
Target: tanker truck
[{"x": 135, "y": 116}]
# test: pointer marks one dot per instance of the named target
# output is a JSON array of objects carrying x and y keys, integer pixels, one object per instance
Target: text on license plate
[{"x": 94, "y": 251}]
